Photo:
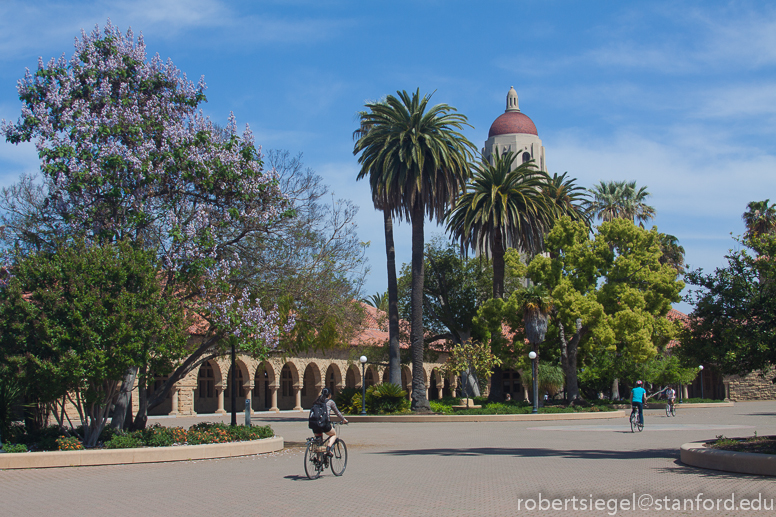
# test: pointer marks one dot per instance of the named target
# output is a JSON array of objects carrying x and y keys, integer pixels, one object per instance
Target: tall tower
[{"x": 514, "y": 131}]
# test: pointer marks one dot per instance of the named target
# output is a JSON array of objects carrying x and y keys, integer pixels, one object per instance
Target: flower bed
[
  {"x": 156, "y": 436},
  {"x": 755, "y": 444}
]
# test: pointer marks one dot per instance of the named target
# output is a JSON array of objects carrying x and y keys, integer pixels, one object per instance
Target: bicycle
[
  {"x": 670, "y": 409},
  {"x": 634, "y": 420},
  {"x": 316, "y": 460}
]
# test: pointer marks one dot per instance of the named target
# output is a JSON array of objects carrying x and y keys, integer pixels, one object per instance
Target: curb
[
  {"x": 46, "y": 459},
  {"x": 484, "y": 418},
  {"x": 696, "y": 454}
]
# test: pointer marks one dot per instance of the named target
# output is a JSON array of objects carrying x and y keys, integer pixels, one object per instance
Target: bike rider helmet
[{"x": 638, "y": 383}]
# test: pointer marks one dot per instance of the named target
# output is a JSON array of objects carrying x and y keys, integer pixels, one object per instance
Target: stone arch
[
  {"x": 289, "y": 383},
  {"x": 436, "y": 385},
  {"x": 209, "y": 381},
  {"x": 406, "y": 380},
  {"x": 353, "y": 377},
  {"x": 243, "y": 384},
  {"x": 371, "y": 375},
  {"x": 333, "y": 379},
  {"x": 312, "y": 383},
  {"x": 165, "y": 408},
  {"x": 264, "y": 379},
  {"x": 512, "y": 384}
]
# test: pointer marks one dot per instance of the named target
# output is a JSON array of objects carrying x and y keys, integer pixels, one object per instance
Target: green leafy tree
[
  {"x": 733, "y": 326},
  {"x": 609, "y": 291},
  {"x": 502, "y": 208},
  {"x": 454, "y": 288},
  {"x": 417, "y": 159},
  {"x": 471, "y": 356},
  {"x": 75, "y": 320}
]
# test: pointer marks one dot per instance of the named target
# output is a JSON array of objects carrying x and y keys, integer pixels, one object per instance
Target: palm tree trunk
[
  {"x": 394, "y": 361},
  {"x": 497, "y": 253},
  {"x": 419, "y": 400}
]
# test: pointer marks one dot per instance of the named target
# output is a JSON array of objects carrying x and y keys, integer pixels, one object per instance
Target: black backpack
[{"x": 319, "y": 416}]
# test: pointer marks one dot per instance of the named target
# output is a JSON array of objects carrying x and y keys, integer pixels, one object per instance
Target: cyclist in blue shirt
[{"x": 638, "y": 399}]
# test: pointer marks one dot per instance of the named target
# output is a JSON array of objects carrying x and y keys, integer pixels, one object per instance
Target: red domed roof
[{"x": 512, "y": 122}]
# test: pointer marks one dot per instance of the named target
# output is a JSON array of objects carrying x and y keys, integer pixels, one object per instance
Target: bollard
[{"x": 248, "y": 412}]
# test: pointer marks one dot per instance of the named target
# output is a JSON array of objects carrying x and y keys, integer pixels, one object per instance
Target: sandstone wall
[{"x": 751, "y": 387}]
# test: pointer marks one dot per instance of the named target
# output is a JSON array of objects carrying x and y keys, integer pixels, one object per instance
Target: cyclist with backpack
[{"x": 319, "y": 420}]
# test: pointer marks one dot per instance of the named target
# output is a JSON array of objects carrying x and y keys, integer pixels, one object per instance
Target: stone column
[
  {"x": 220, "y": 395},
  {"x": 186, "y": 400},
  {"x": 174, "y": 401},
  {"x": 297, "y": 397},
  {"x": 249, "y": 396},
  {"x": 439, "y": 392},
  {"x": 685, "y": 394},
  {"x": 273, "y": 392}
]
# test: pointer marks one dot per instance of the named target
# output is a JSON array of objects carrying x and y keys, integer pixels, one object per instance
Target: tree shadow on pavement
[{"x": 531, "y": 453}]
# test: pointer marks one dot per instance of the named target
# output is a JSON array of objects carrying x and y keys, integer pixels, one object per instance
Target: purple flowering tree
[{"x": 126, "y": 153}]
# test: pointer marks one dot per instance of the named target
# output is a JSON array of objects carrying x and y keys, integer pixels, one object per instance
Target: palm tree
[
  {"x": 377, "y": 300},
  {"x": 759, "y": 218},
  {"x": 417, "y": 162},
  {"x": 502, "y": 208},
  {"x": 672, "y": 252},
  {"x": 383, "y": 200},
  {"x": 567, "y": 197},
  {"x": 621, "y": 200}
]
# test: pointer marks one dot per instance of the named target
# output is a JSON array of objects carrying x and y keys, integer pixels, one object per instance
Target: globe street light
[
  {"x": 701, "y": 369},
  {"x": 363, "y": 384},
  {"x": 532, "y": 357}
]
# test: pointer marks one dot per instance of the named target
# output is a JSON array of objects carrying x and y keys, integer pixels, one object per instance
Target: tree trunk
[
  {"x": 497, "y": 385},
  {"x": 497, "y": 254},
  {"x": 616, "y": 389},
  {"x": 569, "y": 359},
  {"x": 141, "y": 418},
  {"x": 394, "y": 360},
  {"x": 419, "y": 400},
  {"x": 123, "y": 406}
]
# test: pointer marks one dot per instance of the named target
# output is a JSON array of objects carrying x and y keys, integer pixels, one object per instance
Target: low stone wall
[
  {"x": 698, "y": 455},
  {"x": 92, "y": 457},
  {"x": 751, "y": 387}
]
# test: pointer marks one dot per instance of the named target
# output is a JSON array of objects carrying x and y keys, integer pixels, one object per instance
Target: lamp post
[
  {"x": 701, "y": 369},
  {"x": 363, "y": 384},
  {"x": 532, "y": 357}
]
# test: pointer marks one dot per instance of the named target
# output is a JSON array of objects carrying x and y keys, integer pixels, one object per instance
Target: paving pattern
[{"x": 425, "y": 469}]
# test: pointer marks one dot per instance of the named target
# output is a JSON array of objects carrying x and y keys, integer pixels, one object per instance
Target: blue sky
[{"x": 678, "y": 96}]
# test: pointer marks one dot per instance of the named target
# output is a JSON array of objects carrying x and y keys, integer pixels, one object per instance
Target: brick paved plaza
[{"x": 421, "y": 469}]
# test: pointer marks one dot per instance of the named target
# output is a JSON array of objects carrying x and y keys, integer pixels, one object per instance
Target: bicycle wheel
[
  {"x": 673, "y": 409},
  {"x": 312, "y": 461},
  {"x": 668, "y": 409},
  {"x": 640, "y": 425},
  {"x": 633, "y": 420},
  {"x": 339, "y": 460}
]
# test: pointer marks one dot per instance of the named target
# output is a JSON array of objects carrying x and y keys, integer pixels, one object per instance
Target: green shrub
[
  {"x": 125, "y": 441},
  {"x": 440, "y": 407},
  {"x": 344, "y": 400},
  {"x": 14, "y": 447},
  {"x": 387, "y": 398},
  {"x": 160, "y": 439}
]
